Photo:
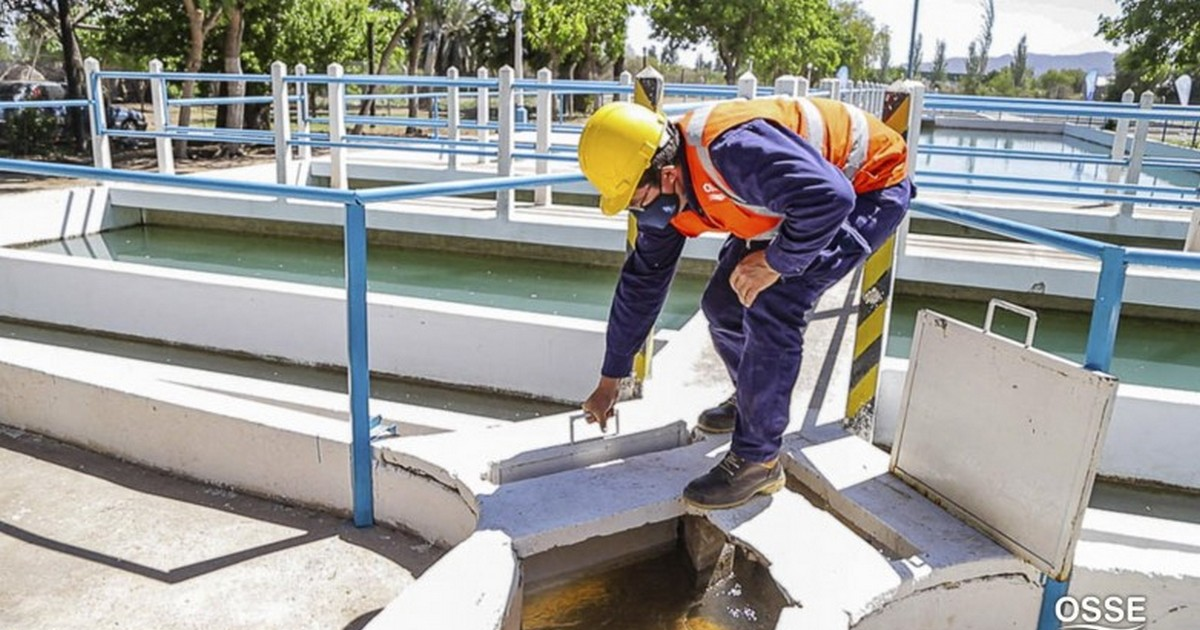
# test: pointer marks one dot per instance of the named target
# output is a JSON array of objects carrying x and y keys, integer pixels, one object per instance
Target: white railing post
[
  {"x": 545, "y": 116},
  {"x": 303, "y": 126},
  {"x": 453, "y": 112},
  {"x": 158, "y": 104},
  {"x": 337, "y": 127},
  {"x": 483, "y": 114},
  {"x": 626, "y": 79},
  {"x": 1192, "y": 244},
  {"x": 282, "y": 122},
  {"x": 1134, "y": 172},
  {"x": 1120, "y": 139},
  {"x": 97, "y": 115},
  {"x": 787, "y": 85},
  {"x": 832, "y": 86},
  {"x": 747, "y": 85},
  {"x": 507, "y": 120}
]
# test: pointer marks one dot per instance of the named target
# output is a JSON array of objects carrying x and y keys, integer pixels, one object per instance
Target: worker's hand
[
  {"x": 752, "y": 276},
  {"x": 599, "y": 406}
]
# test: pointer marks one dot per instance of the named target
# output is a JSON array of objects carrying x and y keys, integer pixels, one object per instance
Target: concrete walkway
[{"x": 90, "y": 542}]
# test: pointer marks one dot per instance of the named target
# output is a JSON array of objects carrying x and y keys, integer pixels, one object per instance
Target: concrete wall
[
  {"x": 542, "y": 355},
  {"x": 56, "y": 213},
  {"x": 1153, "y": 147},
  {"x": 1151, "y": 437}
]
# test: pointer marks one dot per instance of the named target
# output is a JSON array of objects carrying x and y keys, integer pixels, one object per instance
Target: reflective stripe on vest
[
  {"x": 814, "y": 125},
  {"x": 814, "y": 133},
  {"x": 695, "y": 138},
  {"x": 860, "y": 139}
]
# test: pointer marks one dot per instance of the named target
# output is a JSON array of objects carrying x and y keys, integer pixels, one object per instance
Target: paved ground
[{"x": 90, "y": 542}]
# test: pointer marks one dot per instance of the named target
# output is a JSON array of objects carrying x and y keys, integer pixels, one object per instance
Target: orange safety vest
[{"x": 871, "y": 155}]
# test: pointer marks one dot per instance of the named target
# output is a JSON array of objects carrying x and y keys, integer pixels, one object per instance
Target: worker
[{"x": 806, "y": 189}]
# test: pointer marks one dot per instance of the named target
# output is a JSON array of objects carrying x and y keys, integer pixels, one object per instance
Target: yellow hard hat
[{"x": 617, "y": 144}]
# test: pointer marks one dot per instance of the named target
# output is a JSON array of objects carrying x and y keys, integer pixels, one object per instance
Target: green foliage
[
  {"x": 885, "y": 53},
  {"x": 312, "y": 32},
  {"x": 29, "y": 131},
  {"x": 1163, "y": 40},
  {"x": 937, "y": 73},
  {"x": 1020, "y": 63},
  {"x": 778, "y": 36},
  {"x": 978, "y": 50},
  {"x": 1062, "y": 84},
  {"x": 857, "y": 38}
]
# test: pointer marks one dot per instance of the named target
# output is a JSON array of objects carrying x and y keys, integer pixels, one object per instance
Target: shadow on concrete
[
  {"x": 405, "y": 550},
  {"x": 848, "y": 309},
  {"x": 361, "y": 621}
]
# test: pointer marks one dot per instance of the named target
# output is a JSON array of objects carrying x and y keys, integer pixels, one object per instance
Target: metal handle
[
  {"x": 1020, "y": 310},
  {"x": 583, "y": 415}
]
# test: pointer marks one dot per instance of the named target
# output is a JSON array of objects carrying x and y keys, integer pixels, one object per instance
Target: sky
[{"x": 1054, "y": 27}]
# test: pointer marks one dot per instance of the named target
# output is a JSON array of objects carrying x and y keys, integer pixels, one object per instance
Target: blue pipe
[
  {"x": 466, "y": 187},
  {"x": 190, "y": 181},
  {"x": 220, "y": 100},
  {"x": 384, "y": 97},
  {"x": 1010, "y": 154},
  {"x": 184, "y": 76},
  {"x": 43, "y": 104},
  {"x": 1059, "y": 194},
  {"x": 1057, "y": 182},
  {"x": 359, "y": 373},
  {"x": 1021, "y": 231},
  {"x": 407, "y": 81},
  {"x": 1059, "y": 110},
  {"x": 1162, "y": 258}
]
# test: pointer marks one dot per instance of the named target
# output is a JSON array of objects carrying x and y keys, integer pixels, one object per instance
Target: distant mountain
[{"x": 1101, "y": 62}]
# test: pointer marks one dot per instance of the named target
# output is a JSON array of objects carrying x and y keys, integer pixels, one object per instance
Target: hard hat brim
[{"x": 613, "y": 204}]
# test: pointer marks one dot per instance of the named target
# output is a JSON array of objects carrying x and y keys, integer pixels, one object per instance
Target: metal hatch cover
[{"x": 1002, "y": 435}]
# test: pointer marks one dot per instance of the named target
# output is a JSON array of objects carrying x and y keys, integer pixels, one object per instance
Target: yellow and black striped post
[
  {"x": 647, "y": 92},
  {"x": 874, "y": 307}
]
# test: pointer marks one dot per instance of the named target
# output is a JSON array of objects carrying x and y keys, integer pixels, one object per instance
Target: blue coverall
[{"x": 827, "y": 230}]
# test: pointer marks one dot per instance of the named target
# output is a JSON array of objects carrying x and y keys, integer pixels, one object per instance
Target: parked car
[{"x": 116, "y": 116}]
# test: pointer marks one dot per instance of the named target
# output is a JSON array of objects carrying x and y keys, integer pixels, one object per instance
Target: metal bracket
[
  {"x": 1019, "y": 310},
  {"x": 379, "y": 430},
  {"x": 582, "y": 415}
]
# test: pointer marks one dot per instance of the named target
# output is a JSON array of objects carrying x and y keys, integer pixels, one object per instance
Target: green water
[
  {"x": 548, "y": 287},
  {"x": 1148, "y": 352}
]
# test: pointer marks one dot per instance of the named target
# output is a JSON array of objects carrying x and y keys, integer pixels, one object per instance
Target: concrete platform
[{"x": 91, "y": 542}]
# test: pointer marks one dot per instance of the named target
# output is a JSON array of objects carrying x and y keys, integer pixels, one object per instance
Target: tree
[
  {"x": 885, "y": 53},
  {"x": 780, "y": 35},
  {"x": 937, "y": 73},
  {"x": 62, "y": 18},
  {"x": 1020, "y": 62},
  {"x": 1062, "y": 84},
  {"x": 977, "y": 50},
  {"x": 856, "y": 36},
  {"x": 985, "y": 34},
  {"x": 1163, "y": 43}
]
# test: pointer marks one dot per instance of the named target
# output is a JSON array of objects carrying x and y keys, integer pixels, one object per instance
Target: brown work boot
[
  {"x": 733, "y": 482},
  {"x": 719, "y": 419}
]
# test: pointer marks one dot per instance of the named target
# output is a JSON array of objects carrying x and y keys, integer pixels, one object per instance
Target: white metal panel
[{"x": 1005, "y": 436}]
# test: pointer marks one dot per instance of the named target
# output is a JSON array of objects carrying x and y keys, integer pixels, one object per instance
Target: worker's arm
[
  {"x": 770, "y": 166},
  {"x": 640, "y": 294}
]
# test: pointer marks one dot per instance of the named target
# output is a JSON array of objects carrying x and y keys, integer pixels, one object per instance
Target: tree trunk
[
  {"x": 385, "y": 58},
  {"x": 414, "y": 59},
  {"x": 198, "y": 29},
  {"x": 73, "y": 67},
  {"x": 234, "y": 118}
]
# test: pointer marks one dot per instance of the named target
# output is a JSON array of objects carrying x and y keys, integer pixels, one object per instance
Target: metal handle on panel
[
  {"x": 1020, "y": 310},
  {"x": 582, "y": 415}
]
